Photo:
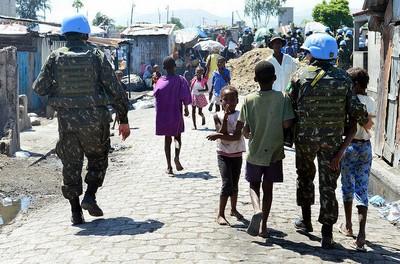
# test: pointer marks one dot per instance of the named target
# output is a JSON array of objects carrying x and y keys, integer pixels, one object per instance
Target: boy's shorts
[
  {"x": 216, "y": 100},
  {"x": 271, "y": 173}
]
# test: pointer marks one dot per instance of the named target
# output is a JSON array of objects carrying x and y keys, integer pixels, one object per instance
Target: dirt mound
[{"x": 242, "y": 69}]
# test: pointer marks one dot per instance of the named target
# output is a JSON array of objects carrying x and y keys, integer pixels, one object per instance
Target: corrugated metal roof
[
  {"x": 13, "y": 29},
  {"x": 149, "y": 30}
]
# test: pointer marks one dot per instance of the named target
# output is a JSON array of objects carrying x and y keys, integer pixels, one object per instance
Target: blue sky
[{"x": 119, "y": 10}]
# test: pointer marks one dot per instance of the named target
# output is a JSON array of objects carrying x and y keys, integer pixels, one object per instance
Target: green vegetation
[
  {"x": 102, "y": 20},
  {"x": 334, "y": 14},
  {"x": 30, "y": 8},
  {"x": 177, "y": 22},
  {"x": 261, "y": 11},
  {"x": 77, "y": 4}
]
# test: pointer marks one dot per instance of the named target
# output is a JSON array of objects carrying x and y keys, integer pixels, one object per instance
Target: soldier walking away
[
  {"x": 343, "y": 60},
  {"x": 323, "y": 101},
  {"x": 80, "y": 83}
]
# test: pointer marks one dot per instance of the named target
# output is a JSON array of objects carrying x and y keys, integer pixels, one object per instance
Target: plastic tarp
[
  {"x": 187, "y": 35},
  {"x": 314, "y": 27}
]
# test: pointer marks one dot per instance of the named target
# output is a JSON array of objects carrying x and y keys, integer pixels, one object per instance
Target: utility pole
[
  {"x": 233, "y": 18},
  {"x": 159, "y": 16},
  {"x": 204, "y": 21},
  {"x": 167, "y": 8},
  {"x": 133, "y": 6},
  {"x": 216, "y": 22}
]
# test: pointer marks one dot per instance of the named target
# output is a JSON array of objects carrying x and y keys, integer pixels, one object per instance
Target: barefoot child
[
  {"x": 356, "y": 164},
  {"x": 230, "y": 147},
  {"x": 265, "y": 114},
  {"x": 171, "y": 93},
  {"x": 198, "y": 87}
]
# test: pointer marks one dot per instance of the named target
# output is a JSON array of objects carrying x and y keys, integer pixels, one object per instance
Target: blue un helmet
[
  {"x": 328, "y": 30},
  {"x": 343, "y": 43},
  {"x": 340, "y": 31},
  {"x": 77, "y": 23},
  {"x": 349, "y": 33},
  {"x": 321, "y": 46}
]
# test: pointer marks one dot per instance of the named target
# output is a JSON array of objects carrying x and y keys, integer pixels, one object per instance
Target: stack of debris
[{"x": 242, "y": 69}]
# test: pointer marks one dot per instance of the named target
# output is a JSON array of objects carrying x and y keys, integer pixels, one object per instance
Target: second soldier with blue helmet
[
  {"x": 323, "y": 101},
  {"x": 80, "y": 83}
]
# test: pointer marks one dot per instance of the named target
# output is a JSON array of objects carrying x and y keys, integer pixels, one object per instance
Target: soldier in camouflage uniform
[
  {"x": 322, "y": 99},
  {"x": 80, "y": 83},
  {"x": 343, "y": 58}
]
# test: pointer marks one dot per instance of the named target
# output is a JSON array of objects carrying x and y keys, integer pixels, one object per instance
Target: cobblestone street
[{"x": 152, "y": 218}]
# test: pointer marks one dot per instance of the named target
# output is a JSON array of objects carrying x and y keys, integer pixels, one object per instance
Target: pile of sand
[{"x": 242, "y": 69}]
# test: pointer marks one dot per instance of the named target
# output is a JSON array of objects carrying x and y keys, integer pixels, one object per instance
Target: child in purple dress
[{"x": 171, "y": 93}]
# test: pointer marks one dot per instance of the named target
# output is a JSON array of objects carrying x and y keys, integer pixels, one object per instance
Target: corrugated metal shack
[
  {"x": 383, "y": 18},
  {"x": 33, "y": 46},
  {"x": 149, "y": 44}
]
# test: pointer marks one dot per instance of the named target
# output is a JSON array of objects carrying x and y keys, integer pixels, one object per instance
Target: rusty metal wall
[{"x": 147, "y": 50}]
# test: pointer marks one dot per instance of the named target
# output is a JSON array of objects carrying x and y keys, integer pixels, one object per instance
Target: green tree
[
  {"x": 177, "y": 22},
  {"x": 103, "y": 21},
  {"x": 30, "y": 8},
  {"x": 261, "y": 11},
  {"x": 77, "y": 4},
  {"x": 334, "y": 14}
]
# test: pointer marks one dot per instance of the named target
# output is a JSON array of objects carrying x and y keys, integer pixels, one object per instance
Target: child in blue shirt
[{"x": 220, "y": 79}]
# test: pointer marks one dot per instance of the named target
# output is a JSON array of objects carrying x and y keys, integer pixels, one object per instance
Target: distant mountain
[{"x": 189, "y": 17}]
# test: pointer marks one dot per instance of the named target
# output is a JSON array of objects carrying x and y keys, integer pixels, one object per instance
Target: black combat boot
[
  {"x": 77, "y": 215},
  {"x": 304, "y": 223},
  {"x": 89, "y": 202},
  {"x": 327, "y": 237}
]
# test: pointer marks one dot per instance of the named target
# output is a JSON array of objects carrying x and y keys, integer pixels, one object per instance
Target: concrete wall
[
  {"x": 9, "y": 109},
  {"x": 8, "y": 8}
]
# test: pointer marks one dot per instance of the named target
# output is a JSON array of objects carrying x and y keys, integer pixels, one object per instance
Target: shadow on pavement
[
  {"x": 118, "y": 226},
  {"x": 337, "y": 255},
  {"x": 205, "y": 175}
]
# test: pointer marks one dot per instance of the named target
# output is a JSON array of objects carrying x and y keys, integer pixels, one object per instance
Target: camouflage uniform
[
  {"x": 343, "y": 60},
  {"x": 322, "y": 105},
  {"x": 349, "y": 44},
  {"x": 339, "y": 38},
  {"x": 79, "y": 81}
]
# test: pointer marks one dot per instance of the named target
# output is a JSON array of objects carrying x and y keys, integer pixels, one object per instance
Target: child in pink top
[{"x": 198, "y": 88}]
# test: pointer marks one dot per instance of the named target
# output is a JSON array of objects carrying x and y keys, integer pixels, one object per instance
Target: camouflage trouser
[
  {"x": 305, "y": 156},
  {"x": 74, "y": 143}
]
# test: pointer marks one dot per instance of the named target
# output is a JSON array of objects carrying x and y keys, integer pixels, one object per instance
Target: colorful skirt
[{"x": 199, "y": 101}]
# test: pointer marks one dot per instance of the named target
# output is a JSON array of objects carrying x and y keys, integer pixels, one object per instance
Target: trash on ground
[
  {"x": 145, "y": 103},
  {"x": 391, "y": 212},
  {"x": 35, "y": 121},
  {"x": 377, "y": 201},
  {"x": 22, "y": 154},
  {"x": 32, "y": 115},
  {"x": 136, "y": 83}
]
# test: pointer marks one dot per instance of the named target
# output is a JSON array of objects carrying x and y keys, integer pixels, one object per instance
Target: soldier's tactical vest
[
  {"x": 76, "y": 80},
  {"x": 321, "y": 108}
]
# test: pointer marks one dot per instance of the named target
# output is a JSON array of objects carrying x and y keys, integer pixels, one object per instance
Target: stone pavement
[{"x": 153, "y": 218}]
